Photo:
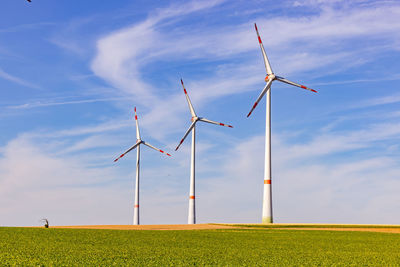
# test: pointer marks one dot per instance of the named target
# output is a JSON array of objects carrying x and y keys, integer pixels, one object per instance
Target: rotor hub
[{"x": 269, "y": 77}]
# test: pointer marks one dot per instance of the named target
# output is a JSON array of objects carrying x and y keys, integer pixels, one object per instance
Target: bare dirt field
[
  {"x": 381, "y": 230},
  {"x": 224, "y": 226},
  {"x": 152, "y": 227}
]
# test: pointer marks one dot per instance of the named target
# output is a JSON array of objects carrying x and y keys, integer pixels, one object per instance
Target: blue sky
[{"x": 72, "y": 71}]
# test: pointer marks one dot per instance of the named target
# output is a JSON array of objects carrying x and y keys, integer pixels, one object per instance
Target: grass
[{"x": 66, "y": 247}]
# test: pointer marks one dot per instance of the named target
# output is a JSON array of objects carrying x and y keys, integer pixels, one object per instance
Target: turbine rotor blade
[
  {"x": 266, "y": 88},
  {"x": 266, "y": 61},
  {"x": 281, "y": 79},
  {"x": 216, "y": 123},
  {"x": 129, "y": 150},
  {"x": 186, "y": 134},
  {"x": 159, "y": 150},
  {"x": 137, "y": 126},
  {"x": 188, "y": 101}
]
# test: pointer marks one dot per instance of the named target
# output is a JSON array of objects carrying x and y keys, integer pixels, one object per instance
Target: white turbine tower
[
  {"x": 139, "y": 141},
  {"x": 267, "y": 199},
  {"x": 195, "y": 118}
]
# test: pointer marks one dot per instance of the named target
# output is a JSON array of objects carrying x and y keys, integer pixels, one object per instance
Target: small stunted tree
[{"x": 46, "y": 223}]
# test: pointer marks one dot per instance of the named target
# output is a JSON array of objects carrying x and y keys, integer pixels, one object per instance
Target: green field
[{"x": 46, "y": 247}]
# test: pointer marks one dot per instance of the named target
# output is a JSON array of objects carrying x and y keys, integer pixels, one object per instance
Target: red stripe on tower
[
  {"x": 191, "y": 197},
  {"x": 267, "y": 181},
  {"x": 136, "y": 206}
]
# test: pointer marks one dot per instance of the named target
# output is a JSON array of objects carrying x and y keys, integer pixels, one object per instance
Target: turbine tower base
[{"x": 267, "y": 220}]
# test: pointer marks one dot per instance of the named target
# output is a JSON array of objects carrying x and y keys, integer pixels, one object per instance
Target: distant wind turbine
[
  {"x": 267, "y": 199},
  {"x": 139, "y": 141},
  {"x": 194, "y": 119}
]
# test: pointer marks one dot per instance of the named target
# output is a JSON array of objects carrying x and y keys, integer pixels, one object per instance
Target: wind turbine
[
  {"x": 267, "y": 198},
  {"x": 195, "y": 119},
  {"x": 139, "y": 141}
]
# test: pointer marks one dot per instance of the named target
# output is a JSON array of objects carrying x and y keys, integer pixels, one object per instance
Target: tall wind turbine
[
  {"x": 267, "y": 199},
  {"x": 195, "y": 119},
  {"x": 139, "y": 141}
]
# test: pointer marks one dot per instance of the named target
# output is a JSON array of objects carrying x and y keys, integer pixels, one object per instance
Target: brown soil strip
[
  {"x": 380, "y": 230},
  {"x": 151, "y": 227}
]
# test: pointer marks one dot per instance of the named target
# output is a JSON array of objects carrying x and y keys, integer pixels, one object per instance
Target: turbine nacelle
[{"x": 270, "y": 77}]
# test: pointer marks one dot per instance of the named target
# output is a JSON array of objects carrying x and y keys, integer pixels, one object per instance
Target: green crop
[{"x": 233, "y": 247}]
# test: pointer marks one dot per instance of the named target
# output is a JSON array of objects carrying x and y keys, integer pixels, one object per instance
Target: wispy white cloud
[
  {"x": 391, "y": 99},
  {"x": 24, "y": 27},
  {"x": 122, "y": 56},
  {"x": 16, "y": 80},
  {"x": 335, "y": 141},
  {"x": 388, "y": 78},
  {"x": 68, "y": 45},
  {"x": 71, "y": 37},
  {"x": 93, "y": 141},
  {"x": 110, "y": 125},
  {"x": 72, "y": 102},
  {"x": 39, "y": 184}
]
